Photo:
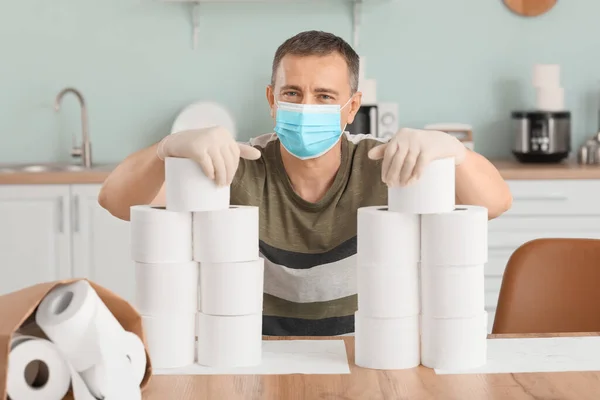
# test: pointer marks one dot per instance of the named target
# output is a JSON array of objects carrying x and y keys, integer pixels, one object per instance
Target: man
[{"x": 309, "y": 179}]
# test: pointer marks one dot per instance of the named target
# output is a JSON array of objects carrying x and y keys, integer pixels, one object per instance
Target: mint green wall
[{"x": 462, "y": 60}]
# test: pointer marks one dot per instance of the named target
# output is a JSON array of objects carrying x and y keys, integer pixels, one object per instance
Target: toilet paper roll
[
  {"x": 453, "y": 291},
  {"x": 455, "y": 238},
  {"x": 189, "y": 189},
  {"x": 454, "y": 343},
  {"x": 386, "y": 343},
  {"x": 550, "y": 99},
  {"x": 160, "y": 236},
  {"x": 388, "y": 291},
  {"x": 170, "y": 339},
  {"x": 232, "y": 288},
  {"x": 225, "y": 341},
  {"x": 432, "y": 193},
  {"x": 224, "y": 236},
  {"x": 166, "y": 288},
  {"x": 546, "y": 76},
  {"x": 74, "y": 318},
  {"x": 387, "y": 238},
  {"x": 368, "y": 88}
]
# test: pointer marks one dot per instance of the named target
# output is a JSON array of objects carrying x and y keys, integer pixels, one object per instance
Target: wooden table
[{"x": 365, "y": 384}]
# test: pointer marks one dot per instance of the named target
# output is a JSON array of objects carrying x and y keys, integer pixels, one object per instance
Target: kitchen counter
[{"x": 509, "y": 169}]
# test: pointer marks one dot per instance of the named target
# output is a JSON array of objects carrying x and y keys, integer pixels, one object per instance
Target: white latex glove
[
  {"x": 213, "y": 148},
  {"x": 407, "y": 154}
]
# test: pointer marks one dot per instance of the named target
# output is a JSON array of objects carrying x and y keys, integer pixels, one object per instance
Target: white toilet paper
[
  {"x": 432, "y": 193},
  {"x": 386, "y": 343},
  {"x": 550, "y": 99},
  {"x": 455, "y": 238},
  {"x": 189, "y": 189},
  {"x": 229, "y": 235},
  {"x": 454, "y": 343},
  {"x": 165, "y": 288},
  {"x": 232, "y": 288},
  {"x": 160, "y": 236},
  {"x": 388, "y": 291},
  {"x": 170, "y": 339},
  {"x": 387, "y": 238},
  {"x": 225, "y": 341},
  {"x": 74, "y": 318},
  {"x": 546, "y": 75},
  {"x": 453, "y": 291}
]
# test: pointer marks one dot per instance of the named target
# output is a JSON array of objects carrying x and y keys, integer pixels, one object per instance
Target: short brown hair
[{"x": 318, "y": 43}]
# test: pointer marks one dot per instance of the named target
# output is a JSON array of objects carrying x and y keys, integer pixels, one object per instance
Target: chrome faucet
[{"x": 85, "y": 150}]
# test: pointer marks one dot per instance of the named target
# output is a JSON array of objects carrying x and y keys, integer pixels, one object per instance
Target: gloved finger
[
  {"x": 393, "y": 176},
  {"x": 249, "y": 152},
  {"x": 219, "y": 166},
  {"x": 376, "y": 153},
  {"x": 388, "y": 156},
  {"x": 409, "y": 163},
  {"x": 231, "y": 163},
  {"x": 422, "y": 162},
  {"x": 206, "y": 164}
]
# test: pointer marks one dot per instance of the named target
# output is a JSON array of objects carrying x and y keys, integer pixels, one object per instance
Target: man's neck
[{"x": 311, "y": 179}]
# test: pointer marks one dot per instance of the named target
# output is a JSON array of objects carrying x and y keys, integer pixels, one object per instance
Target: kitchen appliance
[
  {"x": 379, "y": 120},
  {"x": 541, "y": 136},
  {"x": 462, "y": 132},
  {"x": 589, "y": 152}
]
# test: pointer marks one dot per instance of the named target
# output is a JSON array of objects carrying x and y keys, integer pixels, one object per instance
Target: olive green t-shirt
[{"x": 309, "y": 249}]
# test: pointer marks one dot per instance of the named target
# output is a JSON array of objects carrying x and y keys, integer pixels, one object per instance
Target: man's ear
[
  {"x": 270, "y": 100},
  {"x": 354, "y": 106}
]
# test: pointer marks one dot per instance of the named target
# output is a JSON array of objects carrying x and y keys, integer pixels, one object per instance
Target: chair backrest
[{"x": 549, "y": 286}]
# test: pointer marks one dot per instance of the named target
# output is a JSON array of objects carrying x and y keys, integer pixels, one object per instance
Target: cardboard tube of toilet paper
[
  {"x": 232, "y": 288},
  {"x": 224, "y": 236},
  {"x": 387, "y": 238},
  {"x": 189, "y": 189},
  {"x": 388, "y": 291},
  {"x": 170, "y": 339},
  {"x": 453, "y": 291},
  {"x": 455, "y": 238},
  {"x": 159, "y": 235},
  {"x": 546, "y": 76},
  {"x": 165, "y": 287},
  {"x": 386, "y": 343},
  {"x": 433, "y": 192},
  {"x": 454, "y": 343},
  {"x": 229, "y": 341},
  {"x": 550, "y": 99}
]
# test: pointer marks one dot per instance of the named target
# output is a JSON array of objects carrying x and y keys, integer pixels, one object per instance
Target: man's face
[{"x": 314, "y": 80}]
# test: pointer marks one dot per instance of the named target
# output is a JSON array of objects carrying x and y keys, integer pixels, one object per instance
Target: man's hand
[
  {"x": 407, "y": 154},
  {"x": 213, "y": 148}
]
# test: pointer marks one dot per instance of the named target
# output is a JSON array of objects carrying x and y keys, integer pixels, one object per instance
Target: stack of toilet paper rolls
[
  {"x": 550, "y": 96},
  {"x": 433, "y": 315}
]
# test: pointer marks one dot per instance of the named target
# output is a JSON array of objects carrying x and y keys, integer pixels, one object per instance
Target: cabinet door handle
[
  {"x": 61, "y": 215},
  {"x": 76, "y": 213},
  {"x": 542, "y": 198}
]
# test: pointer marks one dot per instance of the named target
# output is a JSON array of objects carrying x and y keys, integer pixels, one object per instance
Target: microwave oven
[{"x": 379, "y": 120}]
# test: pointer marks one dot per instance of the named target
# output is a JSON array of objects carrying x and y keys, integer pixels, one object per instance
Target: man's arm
[{"x": 479, "y": 183}]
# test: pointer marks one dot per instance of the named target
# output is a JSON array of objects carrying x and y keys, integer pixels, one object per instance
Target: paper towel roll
[
  {"x": 387, "y": 238},
  {"x": 189, "y": 189},
  {"x": 455, "y": 238},
  {"x": 170, "y": 339},
  {"x": 550, "y": 99},
  {"x": 50, "y": 378},
  {"x": 225, "y": 341},
  {"x": 388, "y": 291},
  {"x": 453, "y": 291},
  {"x": 166, "y": 288},
  {"x": 160, "y": 236},
  {"x": 232, "y": 288},
  {"x": 224, "y": 236},
  {"x": 546, "y": 75},
  {"x": 74, "y": 318},
  {"x": 368, "y": 88},
  {"x": 386, "y": 343},
  {"x": 432, "y": 193},
  {"x": 454, "y": 343}
]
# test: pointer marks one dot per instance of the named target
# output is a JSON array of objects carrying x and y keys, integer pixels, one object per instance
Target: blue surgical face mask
[{"x": 308, "y": 130}]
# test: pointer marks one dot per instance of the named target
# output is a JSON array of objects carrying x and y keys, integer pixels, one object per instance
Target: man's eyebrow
[
  {"x": 326, "y": 90},
  {"x": 291, "y": 87}
]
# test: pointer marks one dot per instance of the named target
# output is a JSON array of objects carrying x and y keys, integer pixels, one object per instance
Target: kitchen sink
[{"x": 50, "y": 167}]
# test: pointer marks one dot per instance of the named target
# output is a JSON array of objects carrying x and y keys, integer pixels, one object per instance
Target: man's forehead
[{"x": 328, "y": 70}]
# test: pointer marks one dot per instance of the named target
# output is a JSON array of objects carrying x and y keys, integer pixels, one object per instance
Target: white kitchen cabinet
[
  {"x": 50, "y": 232},
  {"x": 35, "y": 238}
]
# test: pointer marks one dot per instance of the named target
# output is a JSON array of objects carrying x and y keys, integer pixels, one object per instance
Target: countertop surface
[{"x": 509, "y": 169}]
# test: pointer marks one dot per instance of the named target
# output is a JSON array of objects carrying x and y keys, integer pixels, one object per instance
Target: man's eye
[
  {"x": 326, "y": 97},
  {"x": 290, "y": 93}
]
